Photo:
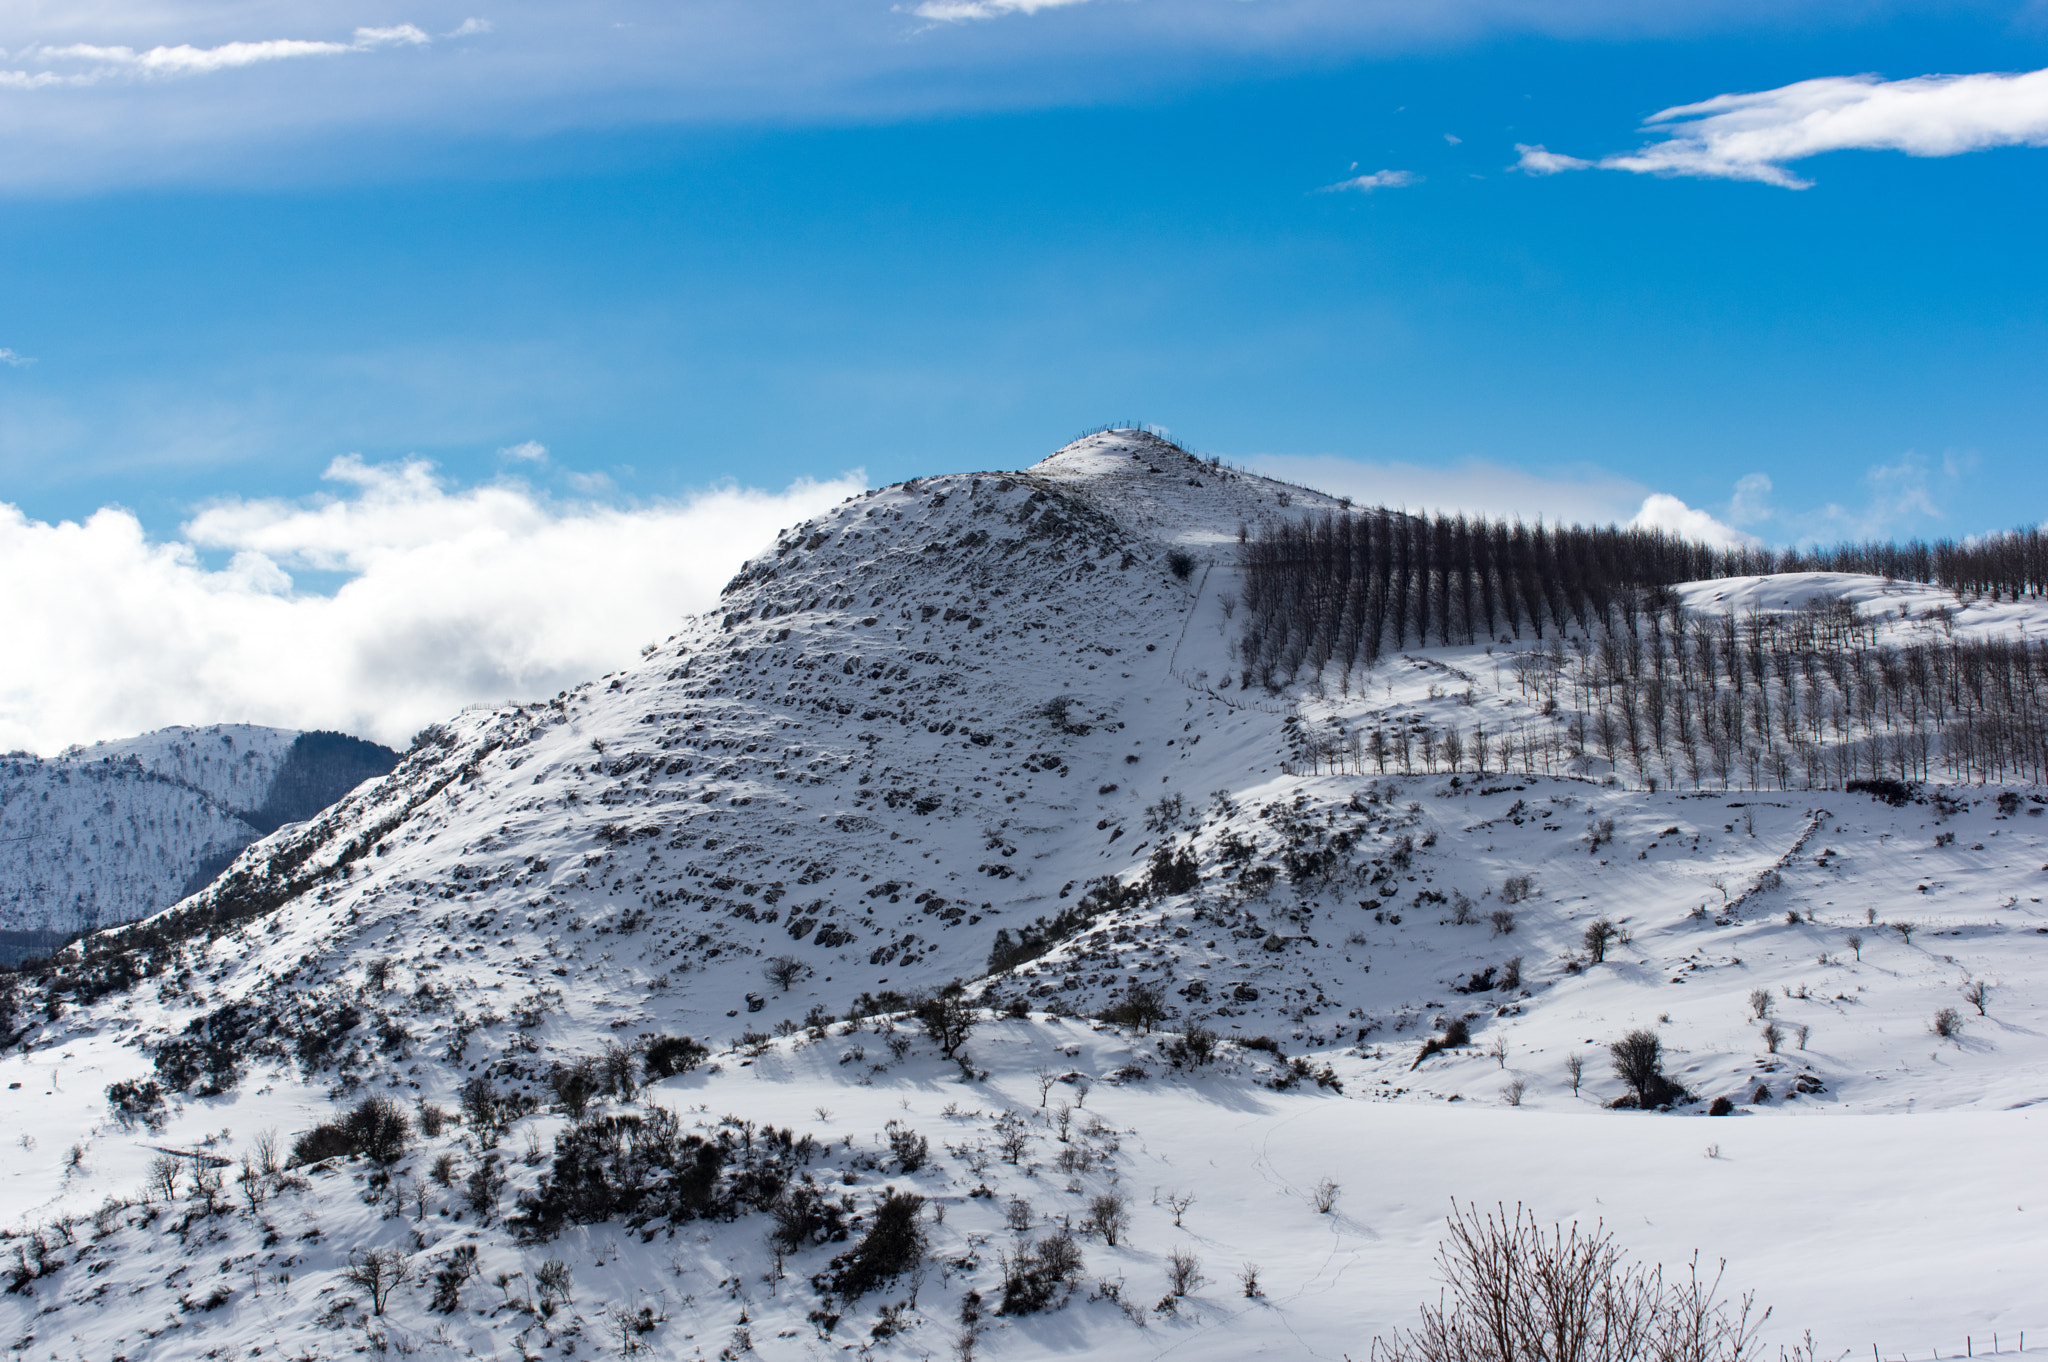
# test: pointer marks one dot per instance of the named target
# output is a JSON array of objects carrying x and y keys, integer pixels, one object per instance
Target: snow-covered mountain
[
  {"x": 121, "y": 830},
  {"x": 993, "y": 728}
]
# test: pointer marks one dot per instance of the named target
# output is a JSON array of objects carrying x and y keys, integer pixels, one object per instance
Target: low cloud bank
[{"x": 451, "y": 596}]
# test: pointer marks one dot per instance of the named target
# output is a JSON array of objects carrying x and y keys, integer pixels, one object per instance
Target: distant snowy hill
[
  {"x": 1279, "y": 959},
  {"x": 121, "y": 830}
]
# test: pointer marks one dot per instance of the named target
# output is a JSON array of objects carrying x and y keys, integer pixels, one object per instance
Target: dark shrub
[
  {"x": 1172, "y": 872},
  {"x": 1141, "y": 1008},
  {"x": 1192, "y": 1048},
  {"x": 574, "y": 1085},
  {"x": 613, "y": 1165},
  {"x": 1721, "y": 1107},
  {"x": 643, "y": 1167},
  {"x": 805, "y": 1215},
  {"x": 1893, "y": 792},
  {"x": 1041, "y": 1275},
  {"x": 134, "y": 1101},
  {"x": 328, "y": 1140},
  {"x": 377, "y": 1128},
  {"x": 893, "y": 1244},
  {"x": 911, "y": 1149},
  {"x": 667, "y": 1056},
  {"x": 1457, "y": 1032},
  {"x": 1638, "y": 1062},
  {"x": 381, "y": 1129},
  {"x": 1180, "y": 563},
  {"x": 449, "y": 1277},
  {"x": 1599, "y": 935}
]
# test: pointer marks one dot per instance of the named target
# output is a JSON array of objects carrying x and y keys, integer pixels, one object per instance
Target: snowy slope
[
  {"x": 113, "y": 832},
  {"x": 121, "y": 830},
  {"x": 944, "y": 710}
]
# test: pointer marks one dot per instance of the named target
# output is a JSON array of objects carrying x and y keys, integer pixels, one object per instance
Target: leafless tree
[
  {"x": 785, "y": 972},
  {"x": 1513, "y": 1291},
  {"x": 377, "y": 1272},
  {"x": 1107, "y": 1216}
]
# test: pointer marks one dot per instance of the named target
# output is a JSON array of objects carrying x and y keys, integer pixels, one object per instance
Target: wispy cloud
[
  {"x": 1379, "y": 179},
  {"x": 452, "y": 596},
  {"x": 1903, "y": 497},
  {"x": 91, "y": 63},
  {"x": 154, "y": 90},
  {"x": 961, "y": 11},
  {"x": 1536, "y": 160},
  {"x": 14, "y": 360},
  {"x": 1756, "y": 136},
  {"x": 526, "y": 451}
]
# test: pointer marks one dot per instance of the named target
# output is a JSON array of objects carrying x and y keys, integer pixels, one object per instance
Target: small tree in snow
[
  {"x": 1598, "y": 934},
  {"x": 785, "y": 972}
]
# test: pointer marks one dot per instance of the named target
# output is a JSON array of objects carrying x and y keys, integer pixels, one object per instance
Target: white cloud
[
  {"x": 15, "y": 361},
  {"x": 1535, "y": 160},
  {"x": 1755, "y": 136},
  {"x": 468, "y": 28},
  {"x": 1453, "y": 139},
  {"x": 91, "y": 63},
  {"x": 526, "y": 451},
  {"x": 957, "y": 11},
  {"x": 452, "y": 596},
  {"x": 1379, "y": 179},
  {"x": 1662, "y": 511}
]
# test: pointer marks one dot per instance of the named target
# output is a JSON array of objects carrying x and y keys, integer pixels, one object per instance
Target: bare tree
[
  {"x": 1178, "y": 1203},
  {"x": 1575, "y": 1069},
  {"x": 1183, "y": 1271},
  {"x": 1514, "y": 1291},
  {"x": 1324, "y": 1198},
  {"x": 378, "y": 1272},
  {"x": 785, "y": 972},
  {"x": 1976, "y": 995},
  {"x": 1760, "y": 1003},
  {"x": 1856, "y": 945},
  {"x": 1107, "y": 1216},
  {"x": 163, "y": 1176}
]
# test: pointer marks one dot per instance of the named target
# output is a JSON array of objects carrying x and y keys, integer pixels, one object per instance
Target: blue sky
[{"x": 684, "y": 245}]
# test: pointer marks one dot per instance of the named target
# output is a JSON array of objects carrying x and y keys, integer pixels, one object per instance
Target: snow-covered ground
[{"x": 941, "y": 711}]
